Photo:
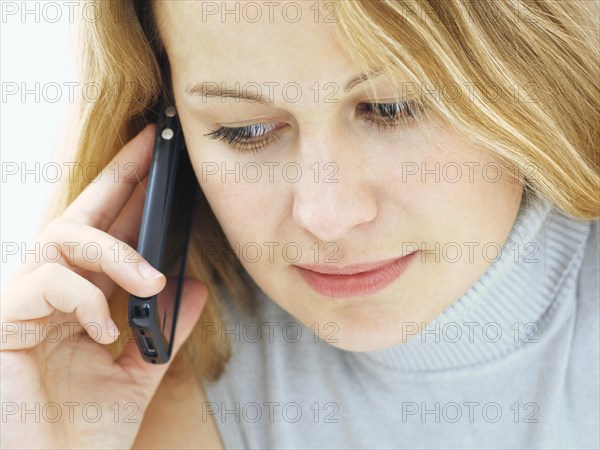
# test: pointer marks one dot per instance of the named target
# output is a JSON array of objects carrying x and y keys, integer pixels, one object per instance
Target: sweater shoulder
[
  {"x": 588, "y": 283},
  {"x": 586, "y": 331}
]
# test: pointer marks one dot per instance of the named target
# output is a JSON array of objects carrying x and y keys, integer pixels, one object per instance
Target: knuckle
[
  {"x": 50, "y": 271},
  {"x": 56, "y": 224},
  {"x": 100, "y": 218},
  {"x": 93, "y": 294},
  {"x": 54, "y": 280}
]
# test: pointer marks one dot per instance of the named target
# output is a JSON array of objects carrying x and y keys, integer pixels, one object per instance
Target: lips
[{"x": 354, "y": 280}]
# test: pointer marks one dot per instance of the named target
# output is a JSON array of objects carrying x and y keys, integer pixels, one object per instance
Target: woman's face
[{"x": 330, "y": 189}]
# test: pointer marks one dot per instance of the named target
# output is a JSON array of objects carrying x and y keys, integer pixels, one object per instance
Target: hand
[{"x": 62, "y": 388}]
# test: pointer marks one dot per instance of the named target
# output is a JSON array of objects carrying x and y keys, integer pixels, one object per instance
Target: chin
[{"x": 360, "y": 335}]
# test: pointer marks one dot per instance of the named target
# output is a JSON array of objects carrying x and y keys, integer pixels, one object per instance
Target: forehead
[{"x": 251, "y": 41}]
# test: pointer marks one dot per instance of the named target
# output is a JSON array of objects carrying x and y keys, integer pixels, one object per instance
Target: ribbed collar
[{"x": 506, "y": 306}]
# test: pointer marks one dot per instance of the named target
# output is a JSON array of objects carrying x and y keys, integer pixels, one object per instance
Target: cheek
[
  {"x": 236, "y": 201},
  {"x": 454, "y": 189}
]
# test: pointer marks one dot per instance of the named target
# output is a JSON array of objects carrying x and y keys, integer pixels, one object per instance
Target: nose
[{"x": 335, "y": 195}]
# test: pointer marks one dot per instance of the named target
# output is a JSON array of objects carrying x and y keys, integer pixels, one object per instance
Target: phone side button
[{"x": 141, "y": 311}]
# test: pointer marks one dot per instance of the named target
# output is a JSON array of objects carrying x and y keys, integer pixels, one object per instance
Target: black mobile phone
[{"x": 164, "y": 235}]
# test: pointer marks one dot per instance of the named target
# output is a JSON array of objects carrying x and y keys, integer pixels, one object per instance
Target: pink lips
[{"x": 354, "y": 280}]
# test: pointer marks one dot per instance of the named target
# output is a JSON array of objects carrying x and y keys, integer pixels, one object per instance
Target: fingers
[
  {"x": 104, "y": 253},
  {"x": 101, "y": 201},
  {"x": 126, "y": 226},
  {"x": 148, "y": 376},
  {"x": 50, "y": 288}
]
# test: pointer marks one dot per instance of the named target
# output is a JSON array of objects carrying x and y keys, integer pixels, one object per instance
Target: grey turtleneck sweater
[{"x": 513, "y": 363}]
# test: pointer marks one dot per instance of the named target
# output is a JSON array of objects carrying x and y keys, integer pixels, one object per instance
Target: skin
[
  {"x": 368, "y": 214},
  {"x": 371, "y": 213}
]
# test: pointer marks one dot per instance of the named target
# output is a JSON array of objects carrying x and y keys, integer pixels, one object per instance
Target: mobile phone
[{"x": 164, "y": 235}]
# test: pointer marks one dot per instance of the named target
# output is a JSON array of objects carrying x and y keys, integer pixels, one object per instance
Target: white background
[{"x": 39, "y": 46}]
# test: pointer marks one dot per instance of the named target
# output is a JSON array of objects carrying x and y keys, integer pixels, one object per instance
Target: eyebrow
[{"x": 208, "y": 89}]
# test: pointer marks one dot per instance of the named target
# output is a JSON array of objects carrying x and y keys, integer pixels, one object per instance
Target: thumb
[{"x": 148, "y": 376}]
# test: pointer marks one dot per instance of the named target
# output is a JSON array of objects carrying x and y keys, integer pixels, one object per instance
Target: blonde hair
[{"x": 550, "y": 47}]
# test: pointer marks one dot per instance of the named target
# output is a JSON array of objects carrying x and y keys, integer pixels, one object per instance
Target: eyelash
[{"x": 385, "y": 115}]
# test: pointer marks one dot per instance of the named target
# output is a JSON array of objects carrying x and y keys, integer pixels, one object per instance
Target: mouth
[{"x": 356, "y": 279}]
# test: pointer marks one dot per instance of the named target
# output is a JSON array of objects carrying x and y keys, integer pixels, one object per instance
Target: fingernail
[
  {"x": 147, "y": 271},
  {"x": 112, "y": 328}
]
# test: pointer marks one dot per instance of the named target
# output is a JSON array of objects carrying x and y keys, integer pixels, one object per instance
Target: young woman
[{"x": 396, "y": 244}]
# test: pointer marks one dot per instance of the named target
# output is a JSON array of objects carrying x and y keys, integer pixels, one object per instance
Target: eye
[
  {"x": 388, "y": 114},
  {"x": 256, "y": 137},
  {"x": 246, "y": 138}
]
